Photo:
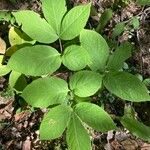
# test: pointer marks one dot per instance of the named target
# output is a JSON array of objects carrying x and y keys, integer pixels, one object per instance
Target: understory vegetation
[{"x": 71, "y": 70}]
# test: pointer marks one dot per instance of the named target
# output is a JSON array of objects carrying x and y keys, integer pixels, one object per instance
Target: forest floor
[{"x": 19, "y": 130}]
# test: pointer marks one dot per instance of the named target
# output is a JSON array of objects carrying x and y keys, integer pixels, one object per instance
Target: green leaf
[
  {"x": 96, "y": 47},
  {"x": 135, "y": 22},
  {"x": 55, "y": 122},
  {"x": 117, "y": 59},
  {"x": 11, "y": 50},
  {"x": 5, "y": 15},
  {"x": 35, "y": 61},
  {"x": 35, "y": 26},
  {"x": 13, "y": 1},
  {"x": 75, "y": 57},
  {"x": 126, "y": 86},
  {"x": 74, "y": 22},
  {"x": 13, "y": 78},
  {"x": 136, "y": 128},
  {"x": 54, "y": 11},
  {"x": 17, "y": 81},
  {"x": 45, "y": 92},
  {"x": 139, "y": 76},
  {"x": 1, "y": 59},
  {"x": 85, "y": 83},
  {"x": 147, "y": 82},
  {"x": 94, "y": 116},
  {"x": 77, "y": 136},
  {"x": 16, "y": 37},
  {"x": 143, "y": 2},
  {"x": 4, "y": 70},
  {"x": 119, "y": 28},
  {"x": 104, "y": 19}
]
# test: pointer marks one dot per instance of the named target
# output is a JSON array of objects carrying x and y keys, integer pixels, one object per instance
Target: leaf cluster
[{"x": 91, "y": 66}]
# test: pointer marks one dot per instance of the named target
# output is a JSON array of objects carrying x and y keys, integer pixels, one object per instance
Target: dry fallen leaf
[
  {"x": 2, "y": 46},
  {"x": 26, "y": 145},
  {"x": 130, "y": 144},
  {"x": 145, "y": 146},
  {"x": 116, "y": 145},
  {"x": 21, "y": 116}
]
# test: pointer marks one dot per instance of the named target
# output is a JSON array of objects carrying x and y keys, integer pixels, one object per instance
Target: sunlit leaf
[
  {"x": 74, "y": 21},
  {"x": 16, "y": 37},
  {"x": 4, "y": 70},
  {"x": 77, "y": 136},
  {"x": 94, "y": 116},
  {"x": 36, "y": 60},
  {"x": 55, "y": 122},
  {"x": 126, "y": 86},
  {"x": 75, "y": 57},
  {"x": 85, "y": 83},
  {"x": 35, "y": 27},
  {"x": 96, "y": 47},
  {"x": 54, "y": 11},
  {"x": 45, "y": 92}
]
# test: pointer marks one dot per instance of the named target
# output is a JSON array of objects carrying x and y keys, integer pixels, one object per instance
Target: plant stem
[{"x": 60, "y": 45}]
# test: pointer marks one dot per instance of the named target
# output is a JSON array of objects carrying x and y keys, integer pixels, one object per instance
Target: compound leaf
[
  {"x": 55, "y": 122},
  {"x": 96, "y": 47},
  {"x": 74, "y": 22},
  {"x": 54, "y": 11},
  {"x": 35, "y": 26},
  {"x": 35, "y": 61},
  {"x": 44, "y": 92},
  {"x": 85, "y": 83},
  {"x": 94, "y": 116},
  {"x": 77, "y": 136},
  {"x": 75, "y": 57},
  {"x": 126, "y": 86}
]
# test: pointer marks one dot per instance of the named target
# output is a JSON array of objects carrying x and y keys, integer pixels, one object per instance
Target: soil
[{"x": 20, "y": 5}]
